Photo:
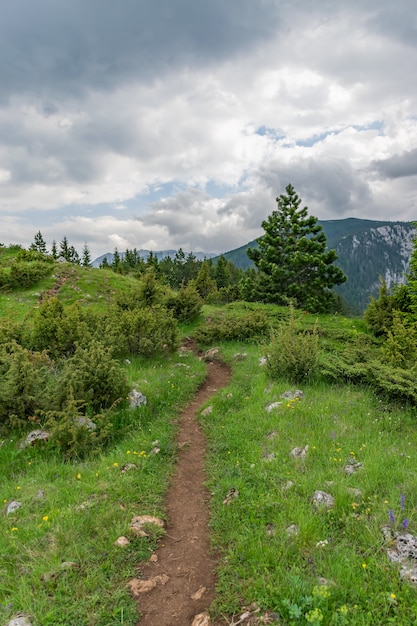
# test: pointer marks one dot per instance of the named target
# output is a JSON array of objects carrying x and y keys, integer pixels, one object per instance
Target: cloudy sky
[{"x": 175, "y": 123}]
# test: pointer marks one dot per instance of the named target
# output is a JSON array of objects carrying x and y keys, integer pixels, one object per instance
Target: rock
[
  {"x": 321, "y": 499},
  {"x": 288, "y": 485},
  {"x": 127, "y": 467},
  {"x": 122, "y": 542},
  {"x": 292, "y": 395},
  {"x": 292, "y": 530},
  {"x": 354, "y": 491},
  {"x": 352, "y": 467},
  {"x": 87, "y": 423},
  {"x": 263, "y": 360},
  {"x": 136, "y": 399},
  {"x": 69, "y": 565},
  {"x": 20, "y": 620},
  {"x": 35, "y": 436},
  {"x": 269, "y": 456},
  {"x": 199, "y": 593},
  {"x": 139, "y": 522},
  {"x": 299, "y": 453},
  {"x": 210, "y": 354},
  {"x": 207, "y": 410},
  {"x": 143, "y": 586},
  {"x": 240, "y": 356},
  {"x": 127, "y": 362},
  {"x": 202, "y": 619},
  {"x": 233, "y": 493},
  {"x": 13, "y": 506},
  {"x": 272, "y": 406}
]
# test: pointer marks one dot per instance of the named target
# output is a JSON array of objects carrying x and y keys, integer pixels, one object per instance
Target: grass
[
  {"x": 334, "y": 570},
  {"x": 300, "y": 563},
  {"x": 60, "y": 543}
]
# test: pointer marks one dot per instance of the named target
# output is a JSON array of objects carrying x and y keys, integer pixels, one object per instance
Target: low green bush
[
  {"x": 185, "y": 304},
  {"x": 145, "y": 331},
  {"x": 234, "y": 327},
  {"x": 293, "y": 354}
]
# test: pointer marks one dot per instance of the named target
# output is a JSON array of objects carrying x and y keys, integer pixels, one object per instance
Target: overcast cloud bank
[{"x": 163, "y": 125}]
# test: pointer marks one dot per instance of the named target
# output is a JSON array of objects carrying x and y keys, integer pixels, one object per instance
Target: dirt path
[{"x": 183, "y": 569}]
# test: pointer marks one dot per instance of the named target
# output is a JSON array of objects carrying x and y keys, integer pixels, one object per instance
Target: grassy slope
[{"x": 74, "y": 512}]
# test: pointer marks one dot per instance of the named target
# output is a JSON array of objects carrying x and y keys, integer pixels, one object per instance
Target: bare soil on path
[{"x": 182, "y": 572}]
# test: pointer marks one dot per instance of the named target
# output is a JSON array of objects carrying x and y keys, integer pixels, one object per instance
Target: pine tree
[
  {"x": 64, "y": 249},
  {"x": 86, "y": 256},
  {"x": 54, "y": 250},
  {"x": 293, "y": 263},
  {"x": 39, "y": 244}
]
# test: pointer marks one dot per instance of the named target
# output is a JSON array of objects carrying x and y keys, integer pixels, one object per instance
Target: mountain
[
  {"x": 161, "y": 254},
  {"x": 367, "y": 251}
]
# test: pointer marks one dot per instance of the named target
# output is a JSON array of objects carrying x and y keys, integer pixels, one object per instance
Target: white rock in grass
[
  {"x": 272, "y": 406},
  {"x": 136, "y": 399},
  {"x": 207, "y": 411},
  {"x": 263, "y": 360},
  {"x": 292, "y": 529},
  {"x": 299, "y": 453},
  {"x": 321, "y": 499},
  {"x": 202, "y": 619},
  {"x": 20, "y": 620},
  {"x": 13, "y": 506},
  {"x": 122, "y": 542}
]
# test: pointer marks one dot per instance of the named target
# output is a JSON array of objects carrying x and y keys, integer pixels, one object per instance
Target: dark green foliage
[
  {"x": 92, "y": 376},
  {"x": 24, "y": 377},
  {"x": 400, "y": 347},
  {"x": 151, "y": 291},
  {"x": 39, "y": 243},
  {"x": 293, "y": 353},
  {"x": 145, "y": 331},
  {"x": 379, "y": 313},
  {"x": 73, "y": 433},
  {"x": 204, "y": 283},
  {"x": 86, "y": 256},
  {"x": 58, "y": 329},
  {"x": 185, "y": 304},
  {"x": 294, "y": 266},
  {"x": 232, "y": 326}
]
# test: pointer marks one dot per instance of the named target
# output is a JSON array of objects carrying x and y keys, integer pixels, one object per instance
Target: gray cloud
[
  {"x": 140, "y": 123},
  {"x": 398, "y": 165}
]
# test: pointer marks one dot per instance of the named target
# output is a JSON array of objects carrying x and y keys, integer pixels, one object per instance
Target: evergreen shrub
[
  {"x": 234, "y": 327},
  {"x": 293, "y": 354}
]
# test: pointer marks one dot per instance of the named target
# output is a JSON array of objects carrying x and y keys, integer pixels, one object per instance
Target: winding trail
[{"x": 183, "y": 569}]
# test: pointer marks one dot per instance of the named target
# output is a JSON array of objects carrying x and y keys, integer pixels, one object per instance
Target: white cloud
[{"x": 143, "y": 126}]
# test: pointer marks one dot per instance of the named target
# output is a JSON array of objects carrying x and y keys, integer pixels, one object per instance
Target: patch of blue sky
[
  {"x": 310, "y": 141},
  {"x": 274, "y": 133}
]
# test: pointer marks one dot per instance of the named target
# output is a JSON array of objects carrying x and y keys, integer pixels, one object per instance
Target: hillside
[{"x": 367, "y": 250}]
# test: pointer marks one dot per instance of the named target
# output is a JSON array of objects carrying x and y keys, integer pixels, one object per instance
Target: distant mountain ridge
[
  {"x": 367, "y": 251},
  {"x": 160, "y": 254}
]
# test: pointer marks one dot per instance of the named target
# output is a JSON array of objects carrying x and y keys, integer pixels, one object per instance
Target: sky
[{"x": 161, "y": 124}]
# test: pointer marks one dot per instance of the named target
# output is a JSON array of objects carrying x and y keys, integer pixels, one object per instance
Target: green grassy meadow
[{"x": 300, "y": 563}]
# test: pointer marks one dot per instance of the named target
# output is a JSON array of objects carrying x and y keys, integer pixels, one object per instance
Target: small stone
[
  {"x": 272, "y": 406},
  {"x": 292, "y": 395},
  {"x": 87, "y": 423},
  {"x": 207, "y": 410},
  {"x": 122, "y": 542},
  {"x": 321, "y": 499},
  {"x": 139, "y": 522},
  {"x": 292, "y": 530},
  {"x": 233, "y": 493},
  {"x": 211, "y": 354},
  {"x": 13, "y": 506},
  {"x": 36, "y": 436},
  {"x": 288, "y": 485},
  {"x": 263, "y": 360},
  {"x": 143, "y": 586},
  {"x": 20, "y": 620},
  {"x": 202, "y": 619},
  {"x": 154, "y": 558},
  {"x": 69, "y": 565},
  {"x": 240, "y": 356},
  {"x": 351, "y": 468},
  {"x": 136, "y": 399},
  {"x": 127, "y": 467},
  {"x": 270, "y": 456},
  {"x": 199, "y": 593},
  {"x": 299, "y": 453}
]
